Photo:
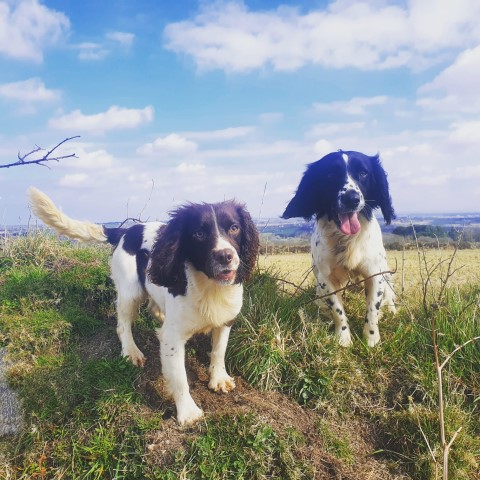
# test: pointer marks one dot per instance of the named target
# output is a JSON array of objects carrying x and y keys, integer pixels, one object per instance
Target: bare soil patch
[{"x": 272, "y": 408}]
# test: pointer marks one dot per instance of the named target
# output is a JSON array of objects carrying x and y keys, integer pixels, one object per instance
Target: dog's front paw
[
  {"x": 371, "y": 335},
  {"x": 221, "y": 382},
  {"x": 189, "y": 413},
  {"x": 344, "y": 337}
]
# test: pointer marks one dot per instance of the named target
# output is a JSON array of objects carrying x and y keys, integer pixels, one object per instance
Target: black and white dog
[
  {"x": 341, "y": 191},
  {"x": 191, "y": 269}
]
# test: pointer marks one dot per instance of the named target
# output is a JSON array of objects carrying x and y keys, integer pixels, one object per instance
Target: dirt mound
[{"x": 271, "y": 408}]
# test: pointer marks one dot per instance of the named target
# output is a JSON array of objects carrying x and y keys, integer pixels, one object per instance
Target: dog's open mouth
[
  {"x": 226, "y": 276},
  {"x": 348, "y": 223}
]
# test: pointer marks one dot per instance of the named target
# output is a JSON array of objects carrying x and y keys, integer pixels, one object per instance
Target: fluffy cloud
[
  {"x": 27, "y": 27},
  {"x": 172, "y": 144},
  {"x": 223, "y": 134},
  {"x": 466, "y": 133},
  {"x": 123, "y": 38},
  {"x": 365, "y": 35},
  {"x": 73, "y": 180},
  {"x": 115, "y": 118},
  {"x": 31, "y": 90},
  {"x": 94, "y": 51},
  {"x": 194, "y": 168},
  {"x": 328, "y": 129},
  {"x": 91, "y": 51},
  {"x": 87, "y": 158},
  {"x": 455, "y": 89},
  {"x": 355, "y": 106}
]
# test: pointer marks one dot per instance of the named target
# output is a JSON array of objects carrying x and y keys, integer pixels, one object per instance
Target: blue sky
[{"x": 201, "y": 101}]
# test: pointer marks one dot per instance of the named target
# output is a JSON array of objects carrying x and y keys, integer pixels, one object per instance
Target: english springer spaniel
[
  {"x": 341, "y": 191},
  {"x": 191, "y": 269}
]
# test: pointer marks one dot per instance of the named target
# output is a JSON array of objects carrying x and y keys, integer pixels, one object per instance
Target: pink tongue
[{"x": 349, "y": 224}]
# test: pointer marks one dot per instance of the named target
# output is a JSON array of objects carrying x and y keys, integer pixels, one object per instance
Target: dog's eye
[
  {"x": 234, "y": 229},
  {"x": 362, "y": 174},
  {"x": 199, "y": 235}
]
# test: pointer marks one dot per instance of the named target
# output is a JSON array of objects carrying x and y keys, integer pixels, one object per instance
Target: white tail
[{"x": 46, "y": 211}]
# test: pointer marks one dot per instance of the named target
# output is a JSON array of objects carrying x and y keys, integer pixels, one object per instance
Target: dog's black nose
[
  {"x": 351, "y": 199},
  {"x": 224, "y": 256}
]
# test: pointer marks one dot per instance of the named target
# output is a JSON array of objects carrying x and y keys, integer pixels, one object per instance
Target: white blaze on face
[
  {"x": 223, "y": 244},
  {"x": 349, "y": 223}
]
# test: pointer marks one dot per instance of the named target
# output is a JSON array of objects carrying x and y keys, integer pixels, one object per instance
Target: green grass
[
  {"x": 243, "y": 447},
  {"x": 89, "y": 414},
  {"x": 284, "y": 343}
]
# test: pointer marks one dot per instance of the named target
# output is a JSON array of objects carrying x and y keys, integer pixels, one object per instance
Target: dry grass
[{"x": 297, "y": 266}]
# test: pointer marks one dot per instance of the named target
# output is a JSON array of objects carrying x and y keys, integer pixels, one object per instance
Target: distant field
[{"x": 296, "y": 266}]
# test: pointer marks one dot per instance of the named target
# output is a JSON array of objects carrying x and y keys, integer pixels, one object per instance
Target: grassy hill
[{"x": 304, "y": 408}]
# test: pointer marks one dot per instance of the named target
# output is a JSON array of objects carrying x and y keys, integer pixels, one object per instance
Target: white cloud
[
  {"x": 172, "y": 144},
  {"x": 190, "y": 168},
  {"x": 466, "y": 132},
  {"x": 430, "y": 180},
  {"x": 329, "y": 129},
  {"x": 355, "y": 106},
  {"x": 228, "y": 179},
  {"x": 91, "y": 51},
  {"x": 322, "y": 147},
  {"x": 73, "y": 180},
  {"x": 443, "y": 24},
  {"x": 456, "y": 87},
  {"x": 31, "y": 90},
  {"x": 364, "y": 35},
  {"x": 27, "y": 27},
  {"x": 468, "y": 172},
  {"x": 223, "y": 134},
  {"x": 115, "y": 118},
  {"x": 88, "y": 159},
  {"x": 94, "y": 51},
  {"x": 123, "y": 38}
]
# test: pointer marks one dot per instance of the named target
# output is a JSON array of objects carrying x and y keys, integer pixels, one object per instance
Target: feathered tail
[{"x": 46, "y": 211}]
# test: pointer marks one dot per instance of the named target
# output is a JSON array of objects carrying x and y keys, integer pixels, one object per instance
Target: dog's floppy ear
[
  {"x": 308, "y": 200},
  {"x": 167, "y": 267},
  {"x": 380, "y": 196},
  {"x": 248, "y": 246}
]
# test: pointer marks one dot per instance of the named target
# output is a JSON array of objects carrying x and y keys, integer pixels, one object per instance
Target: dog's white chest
[{"x": 213, "y": 304}]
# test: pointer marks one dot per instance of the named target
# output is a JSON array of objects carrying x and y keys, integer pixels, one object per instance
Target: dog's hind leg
[
  {"x": 130, "y": 294},
  {"x": 127, "y": 311}
]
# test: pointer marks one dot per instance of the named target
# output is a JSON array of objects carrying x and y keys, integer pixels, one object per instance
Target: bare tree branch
[{"x": 24, "y": 159}]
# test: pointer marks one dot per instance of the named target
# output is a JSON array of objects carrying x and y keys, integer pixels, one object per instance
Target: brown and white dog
[
  {"x": 191, "y": 268},
  {"x": 341, "y": 190}
]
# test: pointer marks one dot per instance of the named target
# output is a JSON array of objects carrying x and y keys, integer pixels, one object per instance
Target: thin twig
[
  {"x": 22, "y": 159},
  {"x": 363, "y": 280},
  {"x": 148, "y": 200},
  {"x": 447, "y": 359},
  {"x": 307, "y": 273},
  {"x": 429, "y": 449},
  {"x": 129, "y": 219}
]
